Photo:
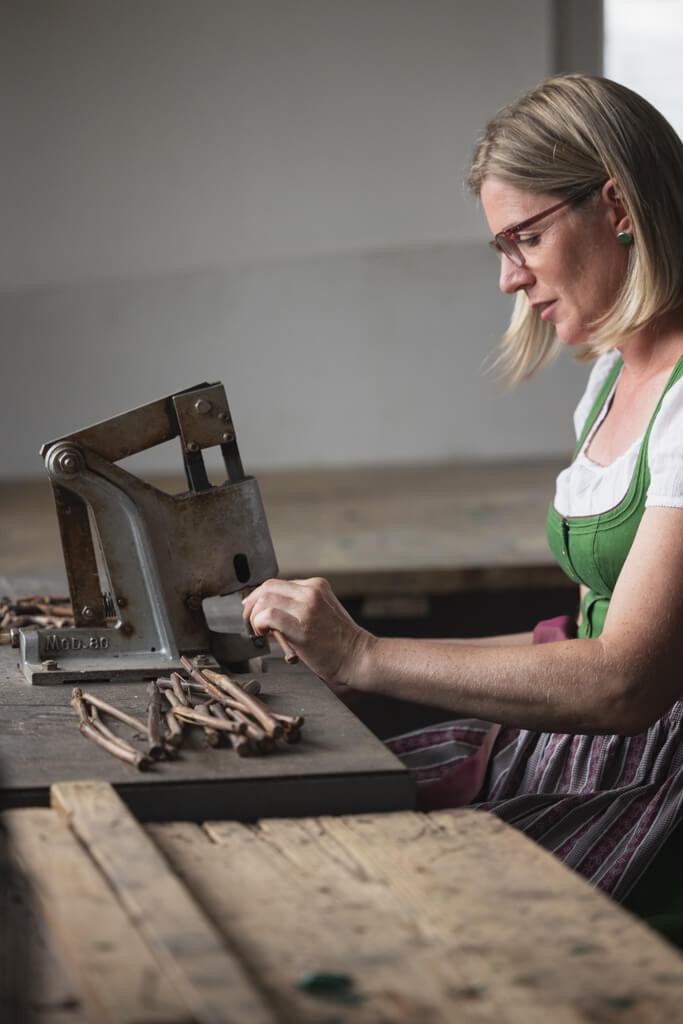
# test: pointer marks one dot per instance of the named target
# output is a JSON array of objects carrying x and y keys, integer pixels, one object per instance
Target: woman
[{"x": 580, "y": 182}]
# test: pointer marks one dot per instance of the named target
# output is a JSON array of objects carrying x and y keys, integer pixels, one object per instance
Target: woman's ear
[{"x": 617, "y": 211}]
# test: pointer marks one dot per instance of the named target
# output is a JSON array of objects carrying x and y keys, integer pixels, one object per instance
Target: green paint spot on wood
[
  {"x": 620, "y": 1002},
  {"x": 471, "y": 991},
  {"x": 336, "y": 987}
]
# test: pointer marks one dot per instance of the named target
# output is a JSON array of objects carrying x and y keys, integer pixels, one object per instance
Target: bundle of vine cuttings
[{"x": 224, "y": 709}]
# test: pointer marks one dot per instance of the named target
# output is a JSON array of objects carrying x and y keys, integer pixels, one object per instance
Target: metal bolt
[
  {"x": 202, "y": 405},
  {"x": 49, "y": 664},
  {"x": 192, "y": 446},
  {"x": 87, "y": 612},
  {"x": 68, "y": 462},
  {"x": 227, "y": 436}
]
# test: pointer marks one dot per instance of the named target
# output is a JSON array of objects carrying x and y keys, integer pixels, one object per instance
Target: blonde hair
[{"x": 573, "y": 132}]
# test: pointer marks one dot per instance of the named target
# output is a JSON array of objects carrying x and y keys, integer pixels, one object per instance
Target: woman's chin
[{"x": 569, "y": 335}]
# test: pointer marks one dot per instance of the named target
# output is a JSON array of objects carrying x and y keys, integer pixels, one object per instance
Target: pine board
[
  {"x": 190, "y": 951},
  {"x": 437, "y": 918},
  {"x": 118, "y": 977}
]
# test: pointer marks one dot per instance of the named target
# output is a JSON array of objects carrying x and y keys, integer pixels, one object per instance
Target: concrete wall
[{"x": 268, "y": 193}]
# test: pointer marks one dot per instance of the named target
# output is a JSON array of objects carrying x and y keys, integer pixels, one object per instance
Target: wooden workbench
[
  {"x": 370, "y": 530},
  {"x": 447, "y": 549},
  {"x": 451, "y": 916},
  {"x": 338, "y": 766}
]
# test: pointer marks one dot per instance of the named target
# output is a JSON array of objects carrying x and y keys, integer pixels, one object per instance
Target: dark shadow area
[
  {"x": 17, "y": 967},
  {"x": 466, "y": 612}
]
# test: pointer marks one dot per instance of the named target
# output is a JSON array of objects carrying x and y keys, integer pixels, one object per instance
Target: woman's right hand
[{"x": 312, "y": 620}]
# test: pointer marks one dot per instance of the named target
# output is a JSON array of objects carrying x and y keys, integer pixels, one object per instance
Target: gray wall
[{"x": 268, "y": 193}]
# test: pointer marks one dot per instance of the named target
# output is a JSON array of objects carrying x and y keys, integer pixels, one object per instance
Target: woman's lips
[{"x": 546, "y": 308}]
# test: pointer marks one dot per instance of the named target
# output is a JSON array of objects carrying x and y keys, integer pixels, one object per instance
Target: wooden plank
[
  {"x": 288, "y": 922},
  {"x": 117, "y": 975},
  {"x": 211, "y": 979},
  {"x": 35, "y": 985},
  {"x": 500, "y": 929},
  {"x": 510, "y": 900},
  {"x": 408, "y": 970}
]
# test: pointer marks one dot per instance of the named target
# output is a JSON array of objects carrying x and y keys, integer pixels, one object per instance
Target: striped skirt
[{"x": 604, "y": 804}]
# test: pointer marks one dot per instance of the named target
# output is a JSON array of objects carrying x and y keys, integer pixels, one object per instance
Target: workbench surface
[
  {"x": 368, "y": 919},
  {"x": 338, "y": 765},
  {"x": 427, "y": 528}
]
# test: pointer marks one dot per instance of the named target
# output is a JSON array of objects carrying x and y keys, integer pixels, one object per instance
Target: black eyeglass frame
[{"x": 506, "y": 243}]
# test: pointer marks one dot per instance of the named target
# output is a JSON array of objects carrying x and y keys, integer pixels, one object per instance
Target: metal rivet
[
  {"x": 124, "y": 628},
  {"x": 227, "y": 436},
  {"x": 192, "y": 446},
  {"x": 87, "y": 612},
  {"x": 14, "y": 638},
  {"x": 202, "y": 405}
]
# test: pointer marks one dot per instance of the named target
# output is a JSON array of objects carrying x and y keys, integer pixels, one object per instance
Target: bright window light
[{"x": 644, "y": 50}]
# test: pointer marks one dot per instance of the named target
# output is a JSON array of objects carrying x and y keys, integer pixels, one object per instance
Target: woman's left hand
[{"x": 313, "y": 621}]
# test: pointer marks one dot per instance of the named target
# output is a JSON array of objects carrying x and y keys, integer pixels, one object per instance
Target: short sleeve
[
  {"x": 597, "y": 377},
  {"x": 665, "y": 451}
]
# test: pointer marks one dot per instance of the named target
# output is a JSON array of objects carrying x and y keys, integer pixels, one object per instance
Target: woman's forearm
[{"x": 566, "y": 686}]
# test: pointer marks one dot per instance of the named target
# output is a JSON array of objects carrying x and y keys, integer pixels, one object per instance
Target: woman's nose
[{"x": 512, "y": 277}]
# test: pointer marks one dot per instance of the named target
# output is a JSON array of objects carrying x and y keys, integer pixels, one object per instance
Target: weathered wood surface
[
  {"x": 339, "y": 765},
  {"x": 35, "y": 987},
  {"x": 114, "y": 970},
  {"x": 189, "y": 949},
  {"x": 433, "y": 528},
  {"x": 450, "y": 916}
]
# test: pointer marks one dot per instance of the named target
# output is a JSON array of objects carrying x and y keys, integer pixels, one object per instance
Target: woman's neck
[{"x": 654, "y": 349}]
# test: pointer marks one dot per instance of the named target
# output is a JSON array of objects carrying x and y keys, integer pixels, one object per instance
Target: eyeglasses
[{"x": 506, "y": 241}]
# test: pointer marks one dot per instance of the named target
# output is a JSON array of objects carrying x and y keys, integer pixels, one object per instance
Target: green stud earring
[{"x": 624, "y": 238}]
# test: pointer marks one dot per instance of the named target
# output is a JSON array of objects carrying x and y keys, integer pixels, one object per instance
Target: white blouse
[{"x": 586, "y": 488}]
